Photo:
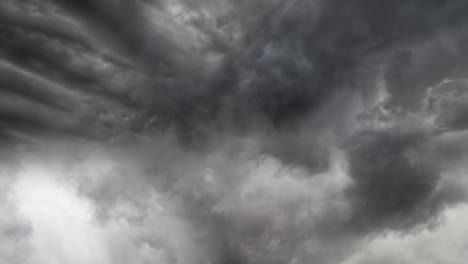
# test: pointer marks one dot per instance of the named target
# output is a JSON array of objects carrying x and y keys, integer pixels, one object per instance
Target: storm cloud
[{"x": 232, "y": 132}]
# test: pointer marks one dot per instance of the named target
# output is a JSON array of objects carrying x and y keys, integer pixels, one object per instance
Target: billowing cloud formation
[{"x": 154, "y": 131}]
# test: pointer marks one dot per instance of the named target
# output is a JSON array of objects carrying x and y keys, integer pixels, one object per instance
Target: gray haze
[{"x": 233, "y": 131}]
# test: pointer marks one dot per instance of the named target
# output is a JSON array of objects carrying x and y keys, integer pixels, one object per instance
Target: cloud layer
[{"x": 154, "y": 131}]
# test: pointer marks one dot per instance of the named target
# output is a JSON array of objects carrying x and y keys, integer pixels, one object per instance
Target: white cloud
[{"x": 62, "y": 221}]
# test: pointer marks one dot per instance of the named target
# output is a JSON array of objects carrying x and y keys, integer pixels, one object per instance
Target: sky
[{"x": 233, "y": 132}]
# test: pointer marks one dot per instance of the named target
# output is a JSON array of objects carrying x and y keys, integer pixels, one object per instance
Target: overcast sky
[{"x": 233, "y": 131}]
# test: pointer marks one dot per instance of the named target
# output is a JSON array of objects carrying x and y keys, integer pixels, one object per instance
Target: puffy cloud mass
[{"x": 233, "y": 131}]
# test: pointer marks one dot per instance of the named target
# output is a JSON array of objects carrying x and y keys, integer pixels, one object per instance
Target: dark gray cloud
[{"x": 230, "y": 131}]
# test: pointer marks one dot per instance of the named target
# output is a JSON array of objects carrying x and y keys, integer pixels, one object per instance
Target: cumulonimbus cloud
[{"x": 229, "y": 131}]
